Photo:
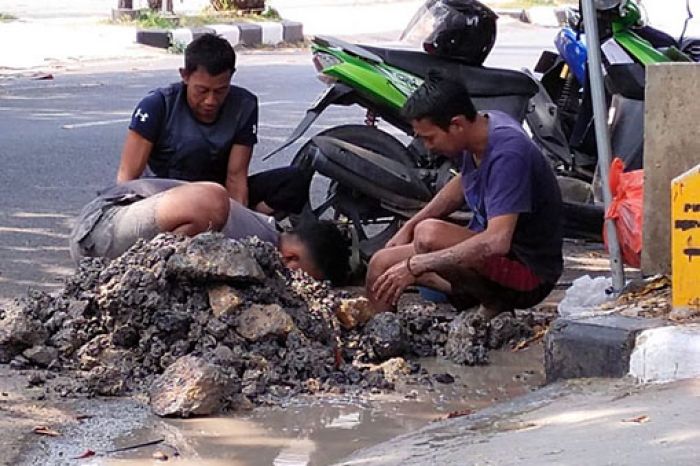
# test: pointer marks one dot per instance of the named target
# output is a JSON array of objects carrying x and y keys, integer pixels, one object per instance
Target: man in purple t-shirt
[{"x": 510, "y": 255}]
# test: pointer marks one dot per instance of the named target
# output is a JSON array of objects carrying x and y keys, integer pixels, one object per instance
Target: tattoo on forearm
[{"x": 468, "y": 255}]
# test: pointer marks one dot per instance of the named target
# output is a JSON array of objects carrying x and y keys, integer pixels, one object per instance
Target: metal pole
[{"x": 600, "y": 117}]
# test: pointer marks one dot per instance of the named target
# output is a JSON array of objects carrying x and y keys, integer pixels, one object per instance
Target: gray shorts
[
  {"x": 116, "y": 230},
  {"x": 107, "y": 227}
]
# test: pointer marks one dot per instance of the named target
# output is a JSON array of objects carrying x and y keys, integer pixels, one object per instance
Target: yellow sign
[{"x": 685, "y": 239}]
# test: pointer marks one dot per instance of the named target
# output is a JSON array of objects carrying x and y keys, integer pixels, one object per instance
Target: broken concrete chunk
[
  {"x": 386, "y": 336},
  {"x": 354, "y": 311},
  {"x": 394, "y": 369},
  {"x": 467, "y": 340},
  {"x": 259, "y": 321},
  {"x": 19, "y": 331},
  {"x": 125, "y": 336},
  {"x": 224, "y": 300},
  {"x": 190, "y": 387},
  {"x": 106, "y": 380},
  {"x": 77, "y": 308},
  {"x": 41, "y": 355},
  {"x": 211, "y": 256},
  {"x": 99, "y": 352}
]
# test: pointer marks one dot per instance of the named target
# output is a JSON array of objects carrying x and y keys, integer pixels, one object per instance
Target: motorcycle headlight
[{"x": 606, "y": 4}]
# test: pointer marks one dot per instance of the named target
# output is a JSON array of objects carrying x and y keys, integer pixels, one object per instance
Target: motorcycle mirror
[{"x": 687, "y": 20}]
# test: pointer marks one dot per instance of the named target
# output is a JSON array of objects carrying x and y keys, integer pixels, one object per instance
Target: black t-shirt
[{"x": 184, "y": 148}]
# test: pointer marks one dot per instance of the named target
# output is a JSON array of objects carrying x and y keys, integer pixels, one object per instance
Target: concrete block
[
  {"x": 293, "y": 31},
  {"x": 671, "y": 147},
  {"x": 154, "y": 37},
  {"x": 541, "y": 16},
  {"x": 597, "y": 346},
  {"x": 182, "y": 36},
  {"x": 666, "y": 354},
  {"x": 251, "y": 34},
  {"x": 200, "y": 31},
  {"x": 230, "y": 32},
  {"x": 272, "y": 32}
]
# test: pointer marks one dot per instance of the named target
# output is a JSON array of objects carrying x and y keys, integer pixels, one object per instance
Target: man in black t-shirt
[{"x": 204, "y": 129}]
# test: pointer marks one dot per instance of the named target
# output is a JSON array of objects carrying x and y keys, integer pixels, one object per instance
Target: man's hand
[
  {"x": 403, "y": 236},
  {"x": 389, "y": 286}
]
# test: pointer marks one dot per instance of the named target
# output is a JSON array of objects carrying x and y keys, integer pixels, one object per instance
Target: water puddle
[{"x": 318, "y": 431}]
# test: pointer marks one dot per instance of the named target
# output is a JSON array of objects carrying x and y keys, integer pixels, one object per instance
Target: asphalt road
[{"x": 61, "y": 140}]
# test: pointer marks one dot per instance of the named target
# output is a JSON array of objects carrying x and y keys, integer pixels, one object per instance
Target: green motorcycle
[
  {"x": 368, "y": 178},
  {"x": 373, "y": 181}
]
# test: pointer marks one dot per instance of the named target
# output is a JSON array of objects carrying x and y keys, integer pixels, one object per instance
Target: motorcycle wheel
[{"x": 370, "y": 225}]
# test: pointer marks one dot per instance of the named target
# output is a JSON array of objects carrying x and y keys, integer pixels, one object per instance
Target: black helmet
[{"x": 463, "y": 29}]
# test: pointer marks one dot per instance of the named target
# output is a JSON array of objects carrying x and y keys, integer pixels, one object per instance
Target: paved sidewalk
[
  {"x": 580, "y": 423},
  {"x": 40, "y": 45}
]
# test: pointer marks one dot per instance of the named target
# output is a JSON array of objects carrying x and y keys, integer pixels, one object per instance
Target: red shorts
[{"x": 509, "y": 273}]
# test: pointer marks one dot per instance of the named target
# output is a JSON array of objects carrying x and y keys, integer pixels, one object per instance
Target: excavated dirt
[{"x": 225, "y": 321}]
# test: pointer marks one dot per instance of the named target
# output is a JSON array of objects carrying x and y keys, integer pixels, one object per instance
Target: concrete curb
[
  {"x": 649, "y": 350},
  {"x": 245, "y": 34},
  {"x": 544, "y": 16}
]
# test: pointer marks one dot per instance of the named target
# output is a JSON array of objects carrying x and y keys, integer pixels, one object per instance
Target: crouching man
[
  {"x": 119, "y": 216},
  {"x": 510, "y": 254}
]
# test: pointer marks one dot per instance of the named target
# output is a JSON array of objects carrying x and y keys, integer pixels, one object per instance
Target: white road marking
[{"x": 96, "y": 123}]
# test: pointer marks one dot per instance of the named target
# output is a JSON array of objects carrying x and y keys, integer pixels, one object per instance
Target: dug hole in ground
[{"x": 198, "y": 327}]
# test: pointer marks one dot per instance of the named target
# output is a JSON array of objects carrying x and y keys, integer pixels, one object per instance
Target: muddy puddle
[{"x": 324, "y": 430}]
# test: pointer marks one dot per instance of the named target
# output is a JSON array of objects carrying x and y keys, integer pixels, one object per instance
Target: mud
[
  {"x": 306, "y": 430},
  {"x": 267, "y": 333}
]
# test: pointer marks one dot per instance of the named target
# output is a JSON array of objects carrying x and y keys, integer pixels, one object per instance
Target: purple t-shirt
[{"x": 515, "y": 178}]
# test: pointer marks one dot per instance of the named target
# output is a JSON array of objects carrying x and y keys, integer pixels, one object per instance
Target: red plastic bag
[{"x": 626, "y": 209}]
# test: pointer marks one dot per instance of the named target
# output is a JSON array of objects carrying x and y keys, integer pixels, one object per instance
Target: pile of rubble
[{"x": 206, "y": 323}]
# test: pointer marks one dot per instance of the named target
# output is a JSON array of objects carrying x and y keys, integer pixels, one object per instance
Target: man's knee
[
  {"x": 380, "y": 261},
  {"x": 214, "y": 201},
  {"x": 425, "y": 235}
]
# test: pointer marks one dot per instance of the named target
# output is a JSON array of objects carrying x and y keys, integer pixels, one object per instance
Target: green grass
[
  {"x": 155, "y": 20},
  {"x": 5, "y": 17}
]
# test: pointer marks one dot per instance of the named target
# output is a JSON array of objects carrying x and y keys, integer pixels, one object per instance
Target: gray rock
[
  {"x": 77, "y": 308},
  {"x": 173, "y": 325},
  {"x": 125, "y": 336},
  {"x": 41, "y": 355},
  {"x": 99, "y": 352},
  {"x": 19, "y": 362},
  {"x": 19, "y": 331},
  {"x": 211, "y": 256},
  {"x": 385, "y": 336},
  {"x": 467, "y": 340},
  {"x": 259, "y": 321},
  {"x": 224, "y": 300},
  {"x": 106, "y": 381},
  {"x": 223, "y": 355},
  {"x": 190, "y": 387}
]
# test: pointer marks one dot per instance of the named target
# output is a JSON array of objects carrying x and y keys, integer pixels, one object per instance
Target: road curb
[
  {"x": 544, "y": 16},
  {"x": 613, "y": 346},
  {"x": 245, "y": 34}
]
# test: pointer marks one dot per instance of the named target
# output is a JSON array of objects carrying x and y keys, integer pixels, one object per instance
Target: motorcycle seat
[{"x": 479, "y": 80}]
